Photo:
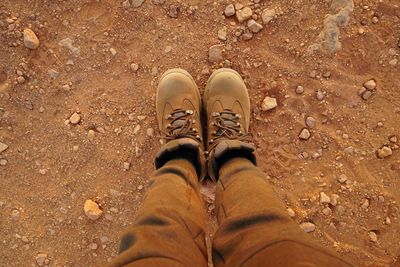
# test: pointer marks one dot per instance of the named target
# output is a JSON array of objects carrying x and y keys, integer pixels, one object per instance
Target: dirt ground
[{"x": 84, "y": 65}]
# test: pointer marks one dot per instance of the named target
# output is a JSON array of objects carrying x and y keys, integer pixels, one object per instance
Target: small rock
[
  {"x": 305, "y": 134},
  {"x": 137, "y": 3},
  {"x": 222, "y": 34},
  {"x": 91, "y": 134},
  {"x": 173, "y": 11},
  {"x": 370, "y": 85},
  {"x": 20, "y": 79},
  {"x": 342, "y": 178},
  {"x": 366, "y": 95},
  {"x": 372, "y": 236},
  {"x": 150, "y": 132},
  {"x": 393, "y": 139},
  {"x": 15, "y": 214},
  {"x": 53, "y": 74},
  {"x": 215, "y": 53},
  {"x": 320, "y": 95},
  {"x": 334, "y": 199},
  {"x": 229, "y": 10},
  {"x": 92, "y": 210},
  {"x": 310, "y": 122},
  {"x": 41, "y": 259},
  {"x": 127, "y": 165},
  {"x": 247, "y": 36},
  {"x": 267, "y": 15},
  {"x": 327, "y": 211},
  {"x": 93, "y": 246},
  {"x": 3, "y": 147},
  {"x": 75, "y": 118},
  {"x": 3, "y": 162},
  {"x": 137, "y": 129},
  {"x": 324, "y": 198},
  {"x": 308, "y": 227},
  {"x": 126, "y": 4},
  {"x": 30, "y": 39},
  {"x": 269, "y": 103},
  {"x": 113, "y": 51},
  {"x": 42, "y": 171},
  {"x": 299, "y": 90},
  {"x": 349, "y": 150},
  {"x": 244, "y": 14},
  {"x": 365, "y": 204},
  {"x": 291, "y": 212},
  {"x": 375, "y": 20},
  {"x": 384, "y": 152},
  {"x": 104, "y": 239},
  {"x": 134, "y": 67},
  {"x": 254, "y": 26}
]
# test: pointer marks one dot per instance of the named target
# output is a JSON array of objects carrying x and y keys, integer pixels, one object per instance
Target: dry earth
[{"x": 52, "y": 166}]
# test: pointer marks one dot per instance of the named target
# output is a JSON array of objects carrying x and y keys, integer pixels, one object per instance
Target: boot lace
[
  {"x": 228, "y": 126},
  {"x": 181, "y": 125}
]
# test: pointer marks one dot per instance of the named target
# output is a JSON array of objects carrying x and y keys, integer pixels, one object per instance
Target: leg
[
  {"x": 169, "y": 229},
  {"x": 255, "y": 229}
]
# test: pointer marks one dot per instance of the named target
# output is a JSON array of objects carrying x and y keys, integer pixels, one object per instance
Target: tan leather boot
[
  {"x": 227, "y": 105},
  {"x": 178, "y": 105}
]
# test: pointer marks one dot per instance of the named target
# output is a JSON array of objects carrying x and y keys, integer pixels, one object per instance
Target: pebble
[
  {"x": 308, "y": 227},
  {"x": 384, "y": 152},
  {"x": 137, "y": 3},
  {"x": 91, "y": 134},
  {"x": 137, "y": 129},
  {"x": 342, "y": 178},
  {"x": 75, "y": 118},
  {"x": 334, "y": 199},
  {"x": 267, "y": 15},
  {"x": 320, "y": 95},
  {"x": 269, "y": 103},
  {"x": 254, "y": 26},
  {"x": 3, "y": 162},
  {"x": 305, "y": 134},
  {"x": 324, "y": 198},
  {"x": 393, "y": 62},
  {"x": 20, "y": 79},
  {"x": 92, "y": 210},
  {"x": 349, "y": 150},
  {"x": 375, "y": 20},
  {"x": 291, "y": 212},
  {"x": 173, "y": 11},
  {"x": 30, "y": 39},
  {"x": 134, "y": 67},
  {"x": 215, "y": 53},
  {"x": 310, "y": 122},
  {"x": 150, "y": 132},
  {"x": 372, "y": 236},
  {"x": 366, "y": 95},
  {"x": 222, "y": 34},
  {"x": 229, "y": 10},
  {"x": 3, "y": 147},
  {"x": 299, "y": 90},
  {"x": 53, "y": 73},
  {"x": 365, "y": 204},
  {"x": 127, "y": 165},
  {"x": 113, "y": 51},
  {"x": 370, "y": 85},
  {"x": 244, "y": 14},
  {"x": 15, "y": 214},
  {"x": 327, "y": 211},
  {"x": 41, "y": 259},
  {"x": 93, "y": 246},
  {"x": 126, "y": 4},
  {"x": 393, "y": 139}
]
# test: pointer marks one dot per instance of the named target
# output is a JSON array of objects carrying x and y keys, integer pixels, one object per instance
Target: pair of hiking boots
[{"x": 226, "y": 104}]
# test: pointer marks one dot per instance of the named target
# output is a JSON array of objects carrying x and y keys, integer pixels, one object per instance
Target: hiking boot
[
  {"x": 178, "y": 104},
  {"x": 227, "y": 105}
]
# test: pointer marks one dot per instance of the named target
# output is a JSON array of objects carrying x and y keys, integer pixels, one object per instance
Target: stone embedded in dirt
[
  {"x": 53, "y": 73},
  {"x": 320, "y": 95},
  {"x": 244, "y": 14},
  {"x": 254, "y": 26},
  {"x": 41, "y": 259},
  {"x": 222, "y": 34},
  {"x": 349, "y": 150},
  {"x": 365, "y": 204},
  {"x": 229, "y": 10},
  {"x": 366, "y": 95},
  {"x": 3, "y": 162},
  {"x": 310, "y": 122},
  {"x": 93, "y": 246},
  {"x": 126, "y": 4},
  {"x": 247, "y": 36},
  {"x": 137, "y": 129},
  {"x": 15, "y": 214},
  {"x": 299, "y": 90},
  {"x": 134, "y": 67},
  {"x": 370, "y": 85},
  {"x": 324, "y": 198},
  {"x": 372, "y": 236},
  {"x": 92, "y": 210},
  {"x": 305, "y": 134},
  {"x": 173, "y": 11},
  {"x": 342, "y": 178},
  {"x": 30, "y": 39},
  {"x": 334, "y": 199},
  {"x": 150, "y": 132},
  {"x": 113, "y": 51},
  {"x": 91, "y": 134},
  {"x": 291, "y": 212},
  {"x": 269, "y": 103},
  {"x": 3, "y": 147},
  {"x": 327, "y": 211},
  {"x": 20, "y": 79},
  {"x": 159, "y": 2},
  {"x": 384, "y": 152},
  {"x": 308, "y": 227},
  {"x": 267, "y": 15},
  {"x": 75, "y": 118},
  {"x": 215, "y": 53},
  {"x": 137, "y": 3},
  {"x": 127, "y": 165},
  {"x": 393, "y": 139}
]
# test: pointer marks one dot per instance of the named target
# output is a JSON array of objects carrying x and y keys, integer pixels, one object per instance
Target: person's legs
[
  {"x": 255, "y": 229},
  {"x": 169, "y": 229}
]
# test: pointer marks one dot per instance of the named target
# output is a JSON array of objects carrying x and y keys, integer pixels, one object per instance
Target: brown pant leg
[
  {"x": 255, "y": 229},
  {"x": 169, "y": 229}
]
